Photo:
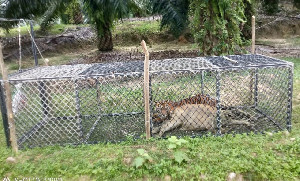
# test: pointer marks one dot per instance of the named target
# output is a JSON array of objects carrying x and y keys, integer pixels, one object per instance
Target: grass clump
[{"x": 256, "y": 157}]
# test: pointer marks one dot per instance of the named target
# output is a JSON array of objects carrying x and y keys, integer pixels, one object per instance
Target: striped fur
[{"x": 164, "y": 109}]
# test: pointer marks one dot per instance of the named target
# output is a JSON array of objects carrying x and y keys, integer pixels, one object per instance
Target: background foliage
[
  {"x": 73, "y": 13},
  {"x": 216, "y": 25},
  {"x": 270, "y": 6},
  {"x": 174, "y": 14}
]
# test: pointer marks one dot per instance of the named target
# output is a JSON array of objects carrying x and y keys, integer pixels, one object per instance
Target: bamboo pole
[
  {"x": 253, "y": 35},
  {"x": 146, "y": 90},
  {"x": 12, "y": 127}
]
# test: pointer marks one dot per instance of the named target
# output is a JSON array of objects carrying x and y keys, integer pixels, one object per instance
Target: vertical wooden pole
[
  {"x": 12, "y": 127},
  {"x": 252, "y": 78},
  {"x": 146, "y": 89},
  {"x": 253, "y": 35}
]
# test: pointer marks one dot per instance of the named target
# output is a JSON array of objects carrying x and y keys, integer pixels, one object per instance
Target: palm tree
[
  {"x": 174, "y": 14},
  {"x": 101, "y": 13}
]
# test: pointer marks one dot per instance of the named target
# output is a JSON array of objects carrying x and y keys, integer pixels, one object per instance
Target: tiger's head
[{"x": 163, "y": 111}]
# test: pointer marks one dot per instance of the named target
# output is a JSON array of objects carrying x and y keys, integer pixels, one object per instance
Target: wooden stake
[
  {"x": 146, "y": 90},
  {"x": 253, "y": 35},
  {"x": 12, "y": 127},
  {"x": 253, "y": 52}
]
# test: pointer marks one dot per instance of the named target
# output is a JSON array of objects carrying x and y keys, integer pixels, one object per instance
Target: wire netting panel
[
  {"x": 188, "y": 97},
  {"x": 75, "y": 111},
  {"x": 112, "y": 108},
  {"x": 116, "y": 128},
  {"x": 273, "y": 96},
  {"x": 45, "y": 112},
  {"x": 237, "y": 87},
  {"x": 255, "y": 100},
  {"x": 235, "y": 100}
]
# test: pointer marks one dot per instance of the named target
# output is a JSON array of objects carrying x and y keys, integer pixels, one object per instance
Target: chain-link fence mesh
[{"x": 75, "y": 104}]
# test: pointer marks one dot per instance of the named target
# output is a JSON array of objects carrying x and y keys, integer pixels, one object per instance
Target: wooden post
[
  {"x": 12, "y": 127},
  {"x": 253, "y": 35},
  {"x": 252, "y": 78},
  {"x": 146, "y": 90}
]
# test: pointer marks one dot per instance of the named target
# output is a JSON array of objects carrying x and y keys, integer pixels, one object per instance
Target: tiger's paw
[{"x": 156, "y": 130}]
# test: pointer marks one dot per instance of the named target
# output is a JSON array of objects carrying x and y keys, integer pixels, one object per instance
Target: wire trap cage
[{"x": 75, "y": 104}]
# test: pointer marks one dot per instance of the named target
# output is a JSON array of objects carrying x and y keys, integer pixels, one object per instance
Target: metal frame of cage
[
  {"x": 217, "y": 68},
  {"x": 254, "y": 84}
]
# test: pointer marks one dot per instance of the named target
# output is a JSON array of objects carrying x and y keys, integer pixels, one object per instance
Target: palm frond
[
  {"x": 140, "y": 7},
  {"x": 25, "y": 9},
  {"x": 104, "y": 12},
  {"x": 174, "y": 14},
  {"x": 56, "y": 8},
  {"x": 33, "y": 9}
]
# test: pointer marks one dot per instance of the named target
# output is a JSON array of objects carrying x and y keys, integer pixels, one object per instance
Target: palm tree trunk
[{"x": 105, "y": 42}]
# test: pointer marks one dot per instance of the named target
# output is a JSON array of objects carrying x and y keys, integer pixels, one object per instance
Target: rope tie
[{"x": 46, "y": 61}]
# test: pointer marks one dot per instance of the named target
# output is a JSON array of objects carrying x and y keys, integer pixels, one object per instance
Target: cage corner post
[
  {"x": 290, "y": 96},
  {"x": 151, "y": 104},
  {"x": 146, "y": 90},
  {"x": 79, "y": 115},
  {"x": 12, "y": 126},
  {"x": 202, "y": 82},
  {"x": 254, "y": 73},
  {"x": 219, "y": 121},
  {"x": 4, "y": 114}
]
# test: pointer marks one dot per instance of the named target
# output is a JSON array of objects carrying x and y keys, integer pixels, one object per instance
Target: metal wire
[{"x": 76, "y": 104}]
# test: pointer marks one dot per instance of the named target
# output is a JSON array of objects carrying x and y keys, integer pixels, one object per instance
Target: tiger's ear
[
  {"x": 202, "y": 101},
  {"x": 156, "y": 104},
  {"x": 213, "y": 102}
]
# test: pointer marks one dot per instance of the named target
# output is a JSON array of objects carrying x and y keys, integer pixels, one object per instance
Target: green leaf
[
  {"x": 141, "y": 151},
  {"x": 182, "y": 141},
  {"x": 138, "y": 162},
  {"x": 144, "y": 154},
  {"x": 172, "y": 139},
  {"x": 172, "y": 146},
  {"x": 180, "y": 156}
]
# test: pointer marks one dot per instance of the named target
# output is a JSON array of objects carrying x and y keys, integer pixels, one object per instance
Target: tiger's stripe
[{"x": 169, "y": 106}]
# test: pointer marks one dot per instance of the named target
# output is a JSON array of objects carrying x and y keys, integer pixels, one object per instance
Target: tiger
[
  {"x": 164, "y": 109},
  {"x": 189, "y": 117},
  {"x": 194, "y": 113}
]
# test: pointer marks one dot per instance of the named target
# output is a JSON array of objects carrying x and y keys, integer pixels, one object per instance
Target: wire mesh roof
[{"x": 198, "y": 63}]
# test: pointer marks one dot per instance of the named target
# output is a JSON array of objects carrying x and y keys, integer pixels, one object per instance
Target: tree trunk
[
  {"x": 105, "y": 42},
  {"x": 249, "y": 12}
]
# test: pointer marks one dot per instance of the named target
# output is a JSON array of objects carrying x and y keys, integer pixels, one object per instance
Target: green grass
[
  {"x": 141, "y": 27},
  {"x": 15, "y": 32},
  {"x": 295, "y": 40},
  {"x": 53, "y": 30},
  {"x": 255, "y": 157},
  {"x": 290, "y": 42}
]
